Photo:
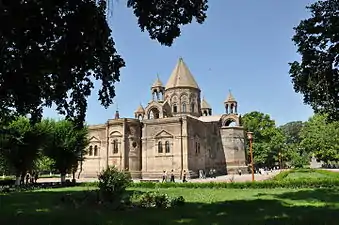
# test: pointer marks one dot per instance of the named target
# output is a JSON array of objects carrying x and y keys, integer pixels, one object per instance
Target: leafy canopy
[
  {"x": 66, "y": 145},
  {"x": 316, "y": 76},
  {"x": 51, "y": 51},
  {"x": 267, "y": 139},
  {"x": 320, "y": 137},
  {"x": 21, "y": 144}
]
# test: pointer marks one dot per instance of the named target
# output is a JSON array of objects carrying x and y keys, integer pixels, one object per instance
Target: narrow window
[
  {"x": 175, "y": 108},
  {"x": 192, "y": 107},
  {"x": 183, "y": 107},
  {"x": 160, "y": 147},
  {"x": 167, "y": 147},
  {"x": 90, "y": 150},
  {"x": 115, "y": 147},
  {"x": 196, "y": 147},
  {"x": 95, "y": 150}
]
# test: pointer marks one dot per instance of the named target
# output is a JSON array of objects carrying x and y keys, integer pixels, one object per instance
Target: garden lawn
[
  {"x": 298, "y": 174},
  {"x": 202, "y": 207}
]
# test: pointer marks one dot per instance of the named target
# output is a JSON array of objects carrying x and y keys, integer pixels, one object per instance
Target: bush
[
  {"x": 299, "y": 183},
  {"x": 158, "y": 200},
  {"x": 112, "y": 184}
]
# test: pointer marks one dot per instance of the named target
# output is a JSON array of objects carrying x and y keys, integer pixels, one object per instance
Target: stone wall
[
  {"x": 154, "y": 132},
  {"x": 234, "y": 148},
  {"x": 93, "y": 164}
]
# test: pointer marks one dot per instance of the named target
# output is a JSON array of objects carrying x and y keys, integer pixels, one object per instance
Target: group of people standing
[
  {"x": 31, "y": 178},
  {"x": 172, "y": 177}
]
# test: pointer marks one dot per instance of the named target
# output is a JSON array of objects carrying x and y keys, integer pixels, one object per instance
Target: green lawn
[
  {"x": 310, "y": 174},
  {"x": 203, "y": 207}
]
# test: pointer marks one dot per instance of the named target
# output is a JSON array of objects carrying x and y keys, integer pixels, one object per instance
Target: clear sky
[{"x": 244, "y": 45}]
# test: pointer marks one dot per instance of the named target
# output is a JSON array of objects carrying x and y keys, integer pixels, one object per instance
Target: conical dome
[
  {"x": 181, "y": 77},
  {"x": 140, "y": 109},
  {"x": 157, "y": 83},
  {"x": 230, "y": 97},
  {"x": 204, "y": 104}
]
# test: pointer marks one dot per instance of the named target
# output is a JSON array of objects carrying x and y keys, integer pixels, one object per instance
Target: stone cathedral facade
[{"x": 176, "y": 130}]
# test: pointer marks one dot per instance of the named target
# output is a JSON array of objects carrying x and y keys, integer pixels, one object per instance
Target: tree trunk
[
  {"x": 17, "y": 180},
  {"x": 63, "y": 177},
  {"x": 73, "y": 179}
]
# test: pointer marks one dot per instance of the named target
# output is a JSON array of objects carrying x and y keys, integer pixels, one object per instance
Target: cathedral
[{"x": 176, "y": 130}]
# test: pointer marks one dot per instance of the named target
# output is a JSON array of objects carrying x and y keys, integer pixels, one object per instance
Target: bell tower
[
  {"x": 158, "y": 90},
  {"x": 231, "y": 105}
]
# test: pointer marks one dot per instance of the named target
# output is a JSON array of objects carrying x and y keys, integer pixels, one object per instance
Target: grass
[
  {"x": 298, "y": 174},
  {"x": 203, "y": 207}
]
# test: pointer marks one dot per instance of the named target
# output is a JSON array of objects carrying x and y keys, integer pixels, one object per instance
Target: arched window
[
  {"x": 183, "y": 107},
  {"x": 115, "y": 146},
  {"x": 192, "y": 107},
  {"x": 167, "y": 147},
  {"x": 160, "y": 147},
  {"x": 95, "y": 150},
  {"x": 175, "y": 108},
  {"x": 154, "y": 114},
  {"x": 197, "y": 148},
  {"x": 205, "y": 113},
  {"x": 90, "y": 150}
]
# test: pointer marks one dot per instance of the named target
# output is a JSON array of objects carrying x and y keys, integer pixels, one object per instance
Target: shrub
[
  {"x": 112, "y": 184},
  {"x": 298, "y": 183},
  {"x": 158, "y": 200},
  {"x": 178, "y": 201}
]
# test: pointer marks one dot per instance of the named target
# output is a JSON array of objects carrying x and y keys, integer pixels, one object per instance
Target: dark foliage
[
  {"x": 113, "y": 184},
  {"x": 317, "y": 75},
  {"x": 163, "y": 19},
  {"x": 51, "y": 51}
]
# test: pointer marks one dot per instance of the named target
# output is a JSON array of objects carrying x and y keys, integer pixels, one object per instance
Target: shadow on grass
[
  {"x": 48, "y": 208},
  {"x": 325, "y": 195}
]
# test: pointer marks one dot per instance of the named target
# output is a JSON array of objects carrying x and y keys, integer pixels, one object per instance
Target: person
[
  {"x": 27, "y": 178},
  {"x": 36, "y": 176},
  {"x": 32, "y": 177},
  {"x": 239, "y": 172},
  {"x": 164, "y": 176},
  {"x": 184, "y": 177},
  {"x": 172, "y": 176}
]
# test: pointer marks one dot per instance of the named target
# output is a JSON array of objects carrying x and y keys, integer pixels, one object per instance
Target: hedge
[{"x": 300, "y": 183}]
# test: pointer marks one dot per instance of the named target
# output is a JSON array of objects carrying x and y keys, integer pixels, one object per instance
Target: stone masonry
[{"x": 175, "y": 131}]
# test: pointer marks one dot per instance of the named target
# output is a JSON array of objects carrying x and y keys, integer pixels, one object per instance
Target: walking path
[{"x": 225, "y": 178}]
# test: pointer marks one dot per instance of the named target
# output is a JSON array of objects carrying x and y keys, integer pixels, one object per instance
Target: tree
[
  {"x": 52, "y": 50},
  {"x": 43, "y": 164},
  {"x": 21, "y": 145},
  {"x": 320, "y": 137},
  {"x": 317, "y": 75},
  {"x": 291, "y": 130},
  {"x": 268, "y": 140},
  {"x": 292, "y": 151},
  {"x": 66, "y": 145}
]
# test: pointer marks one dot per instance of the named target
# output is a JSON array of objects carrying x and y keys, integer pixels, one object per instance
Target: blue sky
[{"x": 244, "y": 45}]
